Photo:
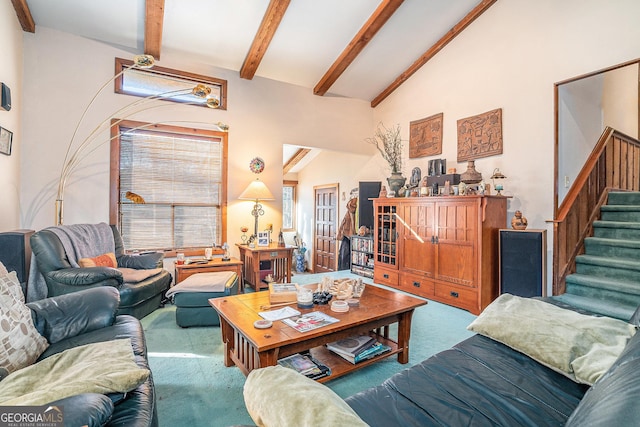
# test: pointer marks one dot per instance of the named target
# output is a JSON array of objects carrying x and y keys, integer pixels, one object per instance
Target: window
[
  {"x": 168, "y": 185},
  {"x": 289, "y": 205},
  {"x": 175, "y": 84}
]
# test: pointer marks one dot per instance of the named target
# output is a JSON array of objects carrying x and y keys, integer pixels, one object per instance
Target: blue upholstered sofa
[{"x": 478, "y": 382}]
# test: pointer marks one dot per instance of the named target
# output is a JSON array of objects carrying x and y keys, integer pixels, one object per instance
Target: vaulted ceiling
[{"x": 361, "y": 49}]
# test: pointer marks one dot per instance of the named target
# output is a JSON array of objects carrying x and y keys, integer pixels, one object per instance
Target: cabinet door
[
  {"x": 416, "y": 230},
  {"x": 385, "y": 235},
  {"x": 457, "y": 237}
]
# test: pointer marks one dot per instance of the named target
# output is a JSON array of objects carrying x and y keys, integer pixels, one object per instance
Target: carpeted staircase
[{"x": 607, "y": 278}]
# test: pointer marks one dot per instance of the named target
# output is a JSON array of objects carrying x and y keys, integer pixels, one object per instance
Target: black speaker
[
  {"x": 523, "y": 262},
  {"x": 5, "y": 97},
  {"x": 366, "y": 191},
  {"x": 15, "y": 252}
]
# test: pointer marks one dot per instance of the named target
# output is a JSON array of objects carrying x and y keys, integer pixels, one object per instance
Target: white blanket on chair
[
  {"x": 203, "y": 282},
  {"x": 85, "y": 240}
]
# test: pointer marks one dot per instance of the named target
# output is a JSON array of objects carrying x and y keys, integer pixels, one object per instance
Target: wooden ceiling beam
[
  {"x": 24, "y": 15},
  {"x": 153, "y": 22},
  {"x": 433, "y": 50},
  {"x": 294, "y": 160},
  {"x": 268, "y": 26},
  {"x": 380, "y": 16}
]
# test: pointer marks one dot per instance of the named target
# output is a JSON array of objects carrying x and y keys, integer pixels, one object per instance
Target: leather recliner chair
[{"x": 137, "y": 299}]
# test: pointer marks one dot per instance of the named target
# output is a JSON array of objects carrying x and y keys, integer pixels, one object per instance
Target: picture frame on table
[
  {"x": 6, "y": 139},
  {"x": 263, "y": 238}
]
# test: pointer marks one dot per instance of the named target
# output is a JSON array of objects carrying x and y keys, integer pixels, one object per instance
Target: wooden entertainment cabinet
[{"x": 442, "y": 248}]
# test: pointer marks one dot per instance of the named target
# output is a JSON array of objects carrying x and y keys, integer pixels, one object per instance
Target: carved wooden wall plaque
[
  {"x": 480, "y": 136},
  {"x": 425, "y": 136}
]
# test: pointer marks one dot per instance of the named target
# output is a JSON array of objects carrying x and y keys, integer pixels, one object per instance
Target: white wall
[
  {"x": 620, "y": 99},
  {"x": 580, "y": 124},
  {"x": 510, "y": 58},
  {"x": 11, "y": 75},
  {"x": 62, "y": 73}
]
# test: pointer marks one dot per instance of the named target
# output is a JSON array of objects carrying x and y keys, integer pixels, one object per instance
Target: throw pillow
[
  {"x": 10, "y": 279},
  {"x": 3, "y": 269},
  {"x": 20, "y": 342},
  {"x": 576, "y": 345},
  {"x": 104, "y": 260},
  {"x": 276, "y": 396}
]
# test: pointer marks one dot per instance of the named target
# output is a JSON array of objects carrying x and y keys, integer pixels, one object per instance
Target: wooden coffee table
[{"x": 250, "y": 348}]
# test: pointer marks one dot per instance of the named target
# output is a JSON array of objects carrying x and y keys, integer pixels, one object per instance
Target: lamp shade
[{"x": 257, "y": 190}]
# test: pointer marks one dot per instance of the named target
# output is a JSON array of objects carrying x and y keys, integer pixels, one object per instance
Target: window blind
[{"x": 180, "y": 178}]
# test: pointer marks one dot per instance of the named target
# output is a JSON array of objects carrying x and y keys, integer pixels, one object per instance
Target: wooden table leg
[
  {"x": 227, "y": 340},
  {"x": 269, "y": 357},
  {"x": 240, "y": 279},
  {"x": 287, "y": 268},
  {"x": 404, "y": 333}
]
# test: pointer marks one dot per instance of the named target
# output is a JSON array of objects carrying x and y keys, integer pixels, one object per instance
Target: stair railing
[{"x": 614, "y": 164}]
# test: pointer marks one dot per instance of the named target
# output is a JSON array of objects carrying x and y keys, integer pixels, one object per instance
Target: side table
[
  {"x": 279, "y": 257},
  {"x": 215, "y": 264}
]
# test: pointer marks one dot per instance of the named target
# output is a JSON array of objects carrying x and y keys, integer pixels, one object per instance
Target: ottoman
[{"x": 191, "y": 297}]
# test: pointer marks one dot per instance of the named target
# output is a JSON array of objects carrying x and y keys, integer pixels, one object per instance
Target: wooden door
[
  {"x": 417, "y": 238},
  {"x": 457, "y": 237},
  {"x": 325, "y": 249}
]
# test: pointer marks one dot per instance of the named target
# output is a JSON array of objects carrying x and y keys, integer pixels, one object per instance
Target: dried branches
[{"x": 389, "y": 144}]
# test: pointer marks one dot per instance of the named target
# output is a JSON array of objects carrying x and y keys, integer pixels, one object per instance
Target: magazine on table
[
  {"x": 374, "y": 350},
  {"x": 279, "y": 314},
  {"x": 306, "y": 365},
  {"x": 352, "y": 345},
  {"x": 310, "y": 321}
]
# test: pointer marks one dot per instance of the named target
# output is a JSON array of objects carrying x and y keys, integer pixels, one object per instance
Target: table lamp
[{"x": 256, "y": 191}]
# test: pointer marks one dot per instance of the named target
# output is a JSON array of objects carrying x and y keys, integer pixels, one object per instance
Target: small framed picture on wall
[
  {"x": 263, "y": 238},
  {"x": 6, "y": 138}
]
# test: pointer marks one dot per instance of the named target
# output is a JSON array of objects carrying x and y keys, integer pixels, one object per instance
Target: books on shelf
[
  {"x": 358, "y": 348},
  {"x": 362, "y": 271},
  {"x": 362, "y": 244},
  {"x": 306, "y": 365},
  {"x": 309, "y": 321},
  {"x": 361, "y": 258}
]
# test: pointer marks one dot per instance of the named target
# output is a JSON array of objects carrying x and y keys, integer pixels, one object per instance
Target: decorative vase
[
  {"x": 471, "y": 175},
  {"x": 300, "y": 263},
  {"x": 396, "y": 181}
]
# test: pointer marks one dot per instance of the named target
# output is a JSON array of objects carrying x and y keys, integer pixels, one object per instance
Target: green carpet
[{"x": 194, "y": 388}]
